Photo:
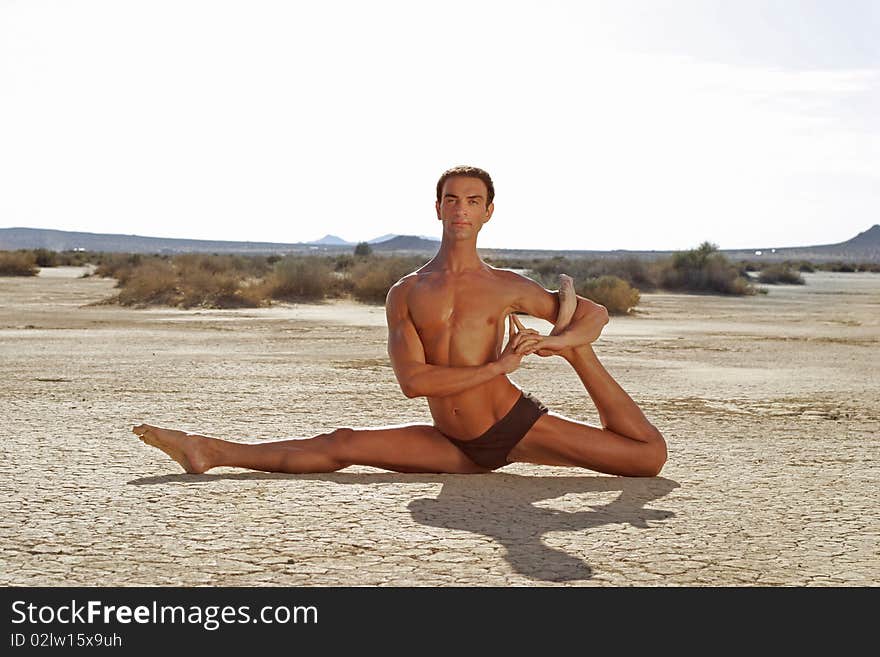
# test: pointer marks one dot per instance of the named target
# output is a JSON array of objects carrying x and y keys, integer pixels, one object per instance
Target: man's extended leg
[{"x": 408, "y": 448}]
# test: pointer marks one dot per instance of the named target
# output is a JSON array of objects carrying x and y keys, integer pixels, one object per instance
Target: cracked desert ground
[{"x": 770, "y": 405}]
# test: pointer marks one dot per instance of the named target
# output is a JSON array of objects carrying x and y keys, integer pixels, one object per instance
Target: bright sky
[{"x": 651, "y": 124}]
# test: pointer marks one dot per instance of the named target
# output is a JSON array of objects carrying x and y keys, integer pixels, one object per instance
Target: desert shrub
[
  {"x": 343, "y": 262},
  {"x": 119, "y": 265},
  {"x": 618, "y": 296},
  {"x": 702, "y": 270},
  {"x": 18, "y": 263},
  {"x": 505, "y": 262},
  {"x": 190, "y": 280},
  {"x": 637, "y": 272},
  {"x": 299, "y": 278},
  {"x": 236, "y": 265},
  {"x": 153, "y": 282},
  {"x": 744, "y": 271},
  {"x": 837, "y": 267},
  {"x": 546, "y": 270},
  {"x": 211, "y": 289},
  {"x": 79, "y": 258},
  {"x": 806, "y": 266},
  {"x": 45, "y": 258},
  {"x": 373, "y": 277},
  {"x": 363, "y": 249},
  {"x": 781, "y": 273}
]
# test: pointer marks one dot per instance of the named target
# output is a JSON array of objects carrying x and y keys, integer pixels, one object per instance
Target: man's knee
[
  {"x": 655, "y": 454},
  {"x": 339, "y": 444}
]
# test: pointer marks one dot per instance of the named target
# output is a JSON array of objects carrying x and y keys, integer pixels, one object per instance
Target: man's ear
[
  {"x": 437, "y": 208},
  {"x": 489, "y": 211}
]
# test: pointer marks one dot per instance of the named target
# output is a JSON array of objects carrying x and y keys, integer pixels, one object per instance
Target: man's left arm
[{"x": 586, "y": 324}]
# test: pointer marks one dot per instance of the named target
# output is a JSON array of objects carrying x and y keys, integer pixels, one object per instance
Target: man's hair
[{"x": 467, "y": 172}]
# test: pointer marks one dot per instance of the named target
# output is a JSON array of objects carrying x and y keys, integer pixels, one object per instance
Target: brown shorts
[{"x": 491, "y": 449}]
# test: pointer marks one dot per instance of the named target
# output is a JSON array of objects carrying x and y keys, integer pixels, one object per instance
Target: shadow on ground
[{"x": 502, "y": 507}]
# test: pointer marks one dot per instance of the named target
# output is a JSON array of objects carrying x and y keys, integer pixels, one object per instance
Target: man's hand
[
  {"x": 520, "y": 343},
  {"x": 578, "y": 320},
  {"x": 545, "y": 345}
]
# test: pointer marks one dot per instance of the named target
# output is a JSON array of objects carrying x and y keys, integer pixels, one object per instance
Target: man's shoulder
[
  {"x": 510, "y": 277},
  {"x": 400, "y": 291},
  {"x": 406, "y": 282}
]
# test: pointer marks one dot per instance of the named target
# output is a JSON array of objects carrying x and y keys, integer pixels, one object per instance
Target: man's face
[{"x": 462, "y": 207}]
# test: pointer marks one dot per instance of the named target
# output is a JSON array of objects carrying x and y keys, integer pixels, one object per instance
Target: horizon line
[{"x": 426, "y": 238}]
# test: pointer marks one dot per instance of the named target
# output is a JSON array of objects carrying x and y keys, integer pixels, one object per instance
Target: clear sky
[{"x": 620, "y": 124}]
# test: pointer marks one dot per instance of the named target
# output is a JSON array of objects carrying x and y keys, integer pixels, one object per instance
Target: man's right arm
[{"x": 416, "y": 377}]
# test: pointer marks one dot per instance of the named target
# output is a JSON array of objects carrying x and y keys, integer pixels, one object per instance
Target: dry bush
[
  {"x": 845, "y": 267},
  {"x": 242, "y": 266},
  {"x": 153, "y": 282},
  {"x": 77, "y": 258},
  {"x": 343, "y": 262},
  {"x": 18, "y": 263},
  {"x": 220, "y": 281},
  {"x": 187, "y": 281},
  {"x": 207, "y": 289},
  {"x": 119, "y": 265},
  {"x": 299, "y": 278},
  {"x": 618, "y": 296},
  {"x": 46, "y": 258},
  {"x": 780, "y": 274},
  {"x": 702, "y": 270},
  {"x": 372, "y": 277},
  {"x": 698, "y": 270},
  {"x": 637, "y": 272}
]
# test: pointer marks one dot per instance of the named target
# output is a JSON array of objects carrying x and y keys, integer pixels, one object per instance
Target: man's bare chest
[{"x": 464, "y": 306}]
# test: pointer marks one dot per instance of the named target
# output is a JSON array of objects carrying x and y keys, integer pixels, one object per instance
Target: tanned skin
[{"x": 446, "y": 325}]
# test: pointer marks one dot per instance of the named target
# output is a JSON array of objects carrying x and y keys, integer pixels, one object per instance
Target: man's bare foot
[
  {"x": 189, "y": 450},
  {"x": 567, "y": 304}
]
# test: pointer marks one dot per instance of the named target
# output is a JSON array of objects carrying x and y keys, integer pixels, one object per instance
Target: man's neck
[{"x": 458, "y": 256}]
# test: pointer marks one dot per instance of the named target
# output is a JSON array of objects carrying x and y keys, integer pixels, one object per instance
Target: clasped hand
[{"x": 523, "y": 341}]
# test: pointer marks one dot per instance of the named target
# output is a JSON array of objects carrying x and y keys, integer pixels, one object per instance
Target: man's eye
[{"x": 473, "y": 202}]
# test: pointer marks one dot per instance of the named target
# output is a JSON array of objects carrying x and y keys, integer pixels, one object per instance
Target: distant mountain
[
  {"x": 863, "y": 247},
  {"x": 331, "y": 240},
  {"x": 63, "y": 240},
  {"x": 391, "y": 236},
  {"x": 407, "y": 243},
  {"x": 381, "y": 238},
  {"x": 870, "y": 239}
]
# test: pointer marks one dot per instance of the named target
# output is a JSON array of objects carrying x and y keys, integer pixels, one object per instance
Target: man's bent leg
[
  {"x": 407, "y": 448},
  {"x": 627, "y": 444}
]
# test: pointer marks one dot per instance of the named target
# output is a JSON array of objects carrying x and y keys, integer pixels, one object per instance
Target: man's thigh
[
  {"x": 405, "y": 448},
  {"x": 557, "y": 440}
]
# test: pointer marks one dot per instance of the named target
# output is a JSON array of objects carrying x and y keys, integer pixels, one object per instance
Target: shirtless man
[{"x": 446, "y": 326}]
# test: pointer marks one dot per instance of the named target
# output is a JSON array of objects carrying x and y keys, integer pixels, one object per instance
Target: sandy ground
[{"x": 770, "y": 404}]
